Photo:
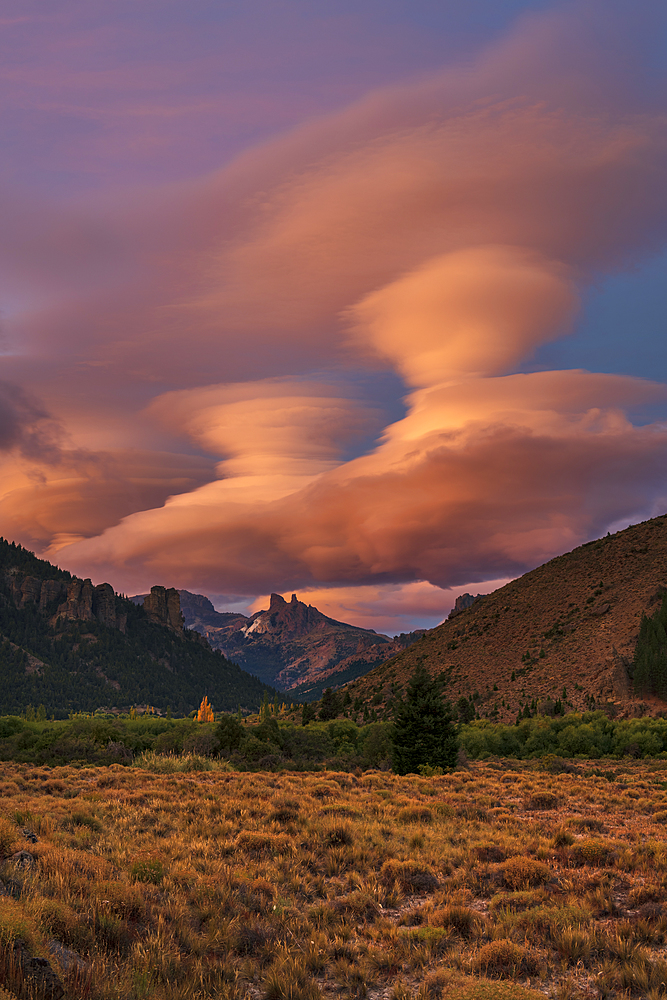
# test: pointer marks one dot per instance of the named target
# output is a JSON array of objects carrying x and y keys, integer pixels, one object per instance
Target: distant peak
[
  {"x": 276, "y": 601},
  {"x": 294, "y": 600}
]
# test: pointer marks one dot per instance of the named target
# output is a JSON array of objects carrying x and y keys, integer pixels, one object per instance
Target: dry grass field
[{"x": 500, "y": 880}]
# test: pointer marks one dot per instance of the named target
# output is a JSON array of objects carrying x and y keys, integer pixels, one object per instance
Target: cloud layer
[{"x": 204, "y": 365}]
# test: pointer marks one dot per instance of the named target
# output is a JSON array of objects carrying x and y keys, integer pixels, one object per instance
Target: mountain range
[
  {"x": 292, "y": 645},
  {"x": 561, "y": 637},
  {"x": 563, "y": 633}
]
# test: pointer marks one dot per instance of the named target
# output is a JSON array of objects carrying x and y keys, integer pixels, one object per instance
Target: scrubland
[{"x": 498, "y": 880}]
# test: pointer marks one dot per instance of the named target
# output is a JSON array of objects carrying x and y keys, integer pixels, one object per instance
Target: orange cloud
[
  {"x": 480, "y": 480},
  {"x": 476, "y": 311}
]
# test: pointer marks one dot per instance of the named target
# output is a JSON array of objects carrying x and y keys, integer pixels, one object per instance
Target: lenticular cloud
[{"x": 443, "y": 231}]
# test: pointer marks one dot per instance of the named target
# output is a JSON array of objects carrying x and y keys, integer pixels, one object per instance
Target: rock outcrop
[
  {"x": 163, "y": 606},
  {"x": 83, "y": 601},
  {"x": 462, "y": 603},
  {"x": 86, "y": 603},
  {"x": 29, "y": 588}
]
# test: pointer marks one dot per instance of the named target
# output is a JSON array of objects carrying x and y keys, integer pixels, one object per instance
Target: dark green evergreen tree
[
  {"x": 649, "y": 668},
  {"x": 308, "y": 713},
  {"x": 465, "y": 709},
  {"x": 230, "y": 733},
  {"x": 424, "y": 732},
  {"x": 330, "y": 705}
]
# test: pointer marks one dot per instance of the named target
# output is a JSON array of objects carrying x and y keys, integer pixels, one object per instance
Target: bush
[
  {"x": 339, "y": 835},
  {"x": 376, "y": 744},
  {"x": 541, "y": 801},
  {"x": 504, "y": 958},
  {"x": 229, "y": 733},
  {"x": 263, "y": 844},
  {"x": 202, "y": 744},
  {"x": 524, "y": 873},
  {"x": 289, "y": 980},
  {"x": 460, "y": 919},
  {"x": 415, "y": 814},
  {"x": 410, "y": 877},
  {"x": 596, "y": 853}
]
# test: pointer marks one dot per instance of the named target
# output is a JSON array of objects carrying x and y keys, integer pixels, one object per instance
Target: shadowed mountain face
[
  {"x": 564, "y": 632},
  {"x": 290, "y": 644},
  {"x": 72, "y": 646}
]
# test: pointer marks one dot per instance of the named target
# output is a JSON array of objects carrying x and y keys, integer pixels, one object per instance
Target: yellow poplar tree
[{"x": 205, "y": 713}]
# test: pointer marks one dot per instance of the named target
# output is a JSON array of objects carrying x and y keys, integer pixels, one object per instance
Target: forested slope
[{"x": 61, "y": 653}]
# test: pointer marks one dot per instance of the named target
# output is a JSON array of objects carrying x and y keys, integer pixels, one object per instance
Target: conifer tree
[
  {"x": 330, "y": 705},
  {"x": 650, "y": 659},
  {"x": 423, "y": 729}
]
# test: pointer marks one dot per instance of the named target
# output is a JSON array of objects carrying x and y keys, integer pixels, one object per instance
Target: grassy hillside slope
[{"x": 570, "y": 624}]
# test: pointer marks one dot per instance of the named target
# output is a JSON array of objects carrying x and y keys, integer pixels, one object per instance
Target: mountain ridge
[
  {"x": 291, "y": 645},
  {"x": 564, "y": 632}
]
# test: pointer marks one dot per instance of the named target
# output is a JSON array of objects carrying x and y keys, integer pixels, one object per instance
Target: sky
[{"x": 363, "y": 302}]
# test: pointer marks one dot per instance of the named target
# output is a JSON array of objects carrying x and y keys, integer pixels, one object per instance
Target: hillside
[
  {"x": 72, "y": 646},
  {"x": 564, "y": 632},
  {"x": 292, "y": 645}
]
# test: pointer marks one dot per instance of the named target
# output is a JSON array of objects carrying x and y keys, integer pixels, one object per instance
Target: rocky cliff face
[
  {"x": 163, "y": 605},
  {"x": 462, "y": 603},
  {"x": 29, "y": 588},
  {"x": 82, "y": 601},
  {"x": 85, "y": 602}
]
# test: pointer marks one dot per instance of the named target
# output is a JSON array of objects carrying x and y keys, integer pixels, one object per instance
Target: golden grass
[{"x": 499, "y": 881}]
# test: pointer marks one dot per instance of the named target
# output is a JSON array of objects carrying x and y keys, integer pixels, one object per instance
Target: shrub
[
  {"x": 588, "y": 823},
  {"x": 78, "y": 818},
  {"x": 574, "y": 944},
  {"x": 460, "y": 919},
  {"x": 410, "y": 877},
  {"x": 596, "y": 853},
  {"x": 202, "y": 744},
  {"x": 252, "y": 935},
  {"x": 157, "y": 763},
  {"x": 286, "y": 811},
  {"x": 541, "y": 801},
  {"x": 262, "y": 844},
  {"x": 504, "y": 958},
  {"x": 8, "y": 835},
  {"x": 562, "y": 838},
  {"x": 490, "y": 852},
  {"x": 359, "y": 904},
  {"x": 516, "y": 902},
  {"x": 482, "y": 990},
  {"x": 338, "y": 835},
  {"x": 229, "y": 733},
  {"x": 415, "y": 814},
  {"x": 524, "y": 873}
]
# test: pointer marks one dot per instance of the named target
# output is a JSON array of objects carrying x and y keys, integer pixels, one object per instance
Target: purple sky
[{"x": 177, "y": 182}]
